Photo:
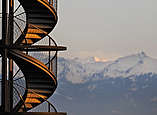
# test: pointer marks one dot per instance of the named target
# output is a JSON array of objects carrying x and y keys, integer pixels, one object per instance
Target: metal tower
[{"x": 28, "y": 54}]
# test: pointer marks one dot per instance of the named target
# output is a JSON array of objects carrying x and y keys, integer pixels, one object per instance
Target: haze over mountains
[{"x": 126, "y": 86}]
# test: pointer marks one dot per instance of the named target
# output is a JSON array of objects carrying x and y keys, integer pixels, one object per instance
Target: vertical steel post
[
  {"x": 49, "y": 110},
  {"x": 56, "y": 63},
  {"x": 7, "y": 39},
  {"x": 5, "y": 97},
  {"x": 11, "y": 35},
  {"x": 50, "y": 67}
]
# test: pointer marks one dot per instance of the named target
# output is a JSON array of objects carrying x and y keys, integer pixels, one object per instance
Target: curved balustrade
[
  {"x": 34, "y": 53},
  {"x": 52, "y": 3}
]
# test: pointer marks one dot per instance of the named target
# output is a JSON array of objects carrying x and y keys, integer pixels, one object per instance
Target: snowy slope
[
  {"x": 81, "y": 70},
  {"x": 136, "y": 64},
  {"x": 126, "y": 86},
  {"x": 78, "y": 70}
]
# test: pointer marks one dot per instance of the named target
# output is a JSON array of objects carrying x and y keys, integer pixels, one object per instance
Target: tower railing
[
  {"x": 30, "y": 46},
  {"x": 52, "y": 3}
]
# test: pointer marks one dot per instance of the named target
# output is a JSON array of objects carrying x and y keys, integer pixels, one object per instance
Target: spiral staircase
[{"x": 33, "y": 53}]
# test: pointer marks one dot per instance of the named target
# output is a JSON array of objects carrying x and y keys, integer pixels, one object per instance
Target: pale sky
[{"x": 107, "y": 28}]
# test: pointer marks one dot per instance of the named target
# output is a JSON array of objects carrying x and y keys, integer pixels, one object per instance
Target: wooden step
[
  {"x": 40, "y": 91},
  {"x": 37, "y": 15},
  {"x": 32, "y": 95},
  {"x": 27, "y": 41},
  {"x": 27, "y": 105},
  {"x": 36, "y": 31},
  {"x": 31, "y": 36},
  {"x": 40, "y": 21},
  {"x": 39, "y": 26},
  {"x": 32, "y": 100},
  {"x": 35, "y": 86}
]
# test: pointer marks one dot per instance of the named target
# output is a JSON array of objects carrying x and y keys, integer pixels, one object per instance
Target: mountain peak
[
  {"x": 142, "y": 54},
  {"x": 135, "y": 64}
]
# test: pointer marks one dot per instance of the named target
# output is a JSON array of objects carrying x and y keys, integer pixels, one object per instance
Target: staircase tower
[{"x": 28, "y": 54}]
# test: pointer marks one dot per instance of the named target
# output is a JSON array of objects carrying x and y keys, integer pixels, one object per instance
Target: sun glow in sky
[{"x": 99, "y": 60}]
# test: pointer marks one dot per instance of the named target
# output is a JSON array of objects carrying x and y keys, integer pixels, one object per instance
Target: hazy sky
[{"x": 107, "y": 28}]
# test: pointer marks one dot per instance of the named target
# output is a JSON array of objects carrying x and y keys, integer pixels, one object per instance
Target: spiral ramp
[{"x": 39, "y": 78}]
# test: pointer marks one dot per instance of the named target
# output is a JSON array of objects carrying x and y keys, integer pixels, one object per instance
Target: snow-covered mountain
[
  {"x": 126, "y": 86},
  {"x": 80, "y": 71},
  {"x": 136, "y": 64}
]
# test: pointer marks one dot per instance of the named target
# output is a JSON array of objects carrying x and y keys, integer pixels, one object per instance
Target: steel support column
[
  {"x": 5, "y": 95},
  {"x": 7, "y": 39},
  {"x": 11, "y": 35}
]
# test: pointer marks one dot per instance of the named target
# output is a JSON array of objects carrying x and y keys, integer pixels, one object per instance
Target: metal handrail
[
  {"x": 39, "y": 96},
  {"x": 18, "y": 92},
  {"x": 21, "y": 31},
  {"x": 46, "y": 34},
  {"x": 55, "y": 55},
  {"x": 21, "y": 97},
  {"x": 52, "y": 3}
]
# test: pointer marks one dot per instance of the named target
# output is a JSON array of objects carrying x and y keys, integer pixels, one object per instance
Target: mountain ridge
[{"x": 80, "y": 71}]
